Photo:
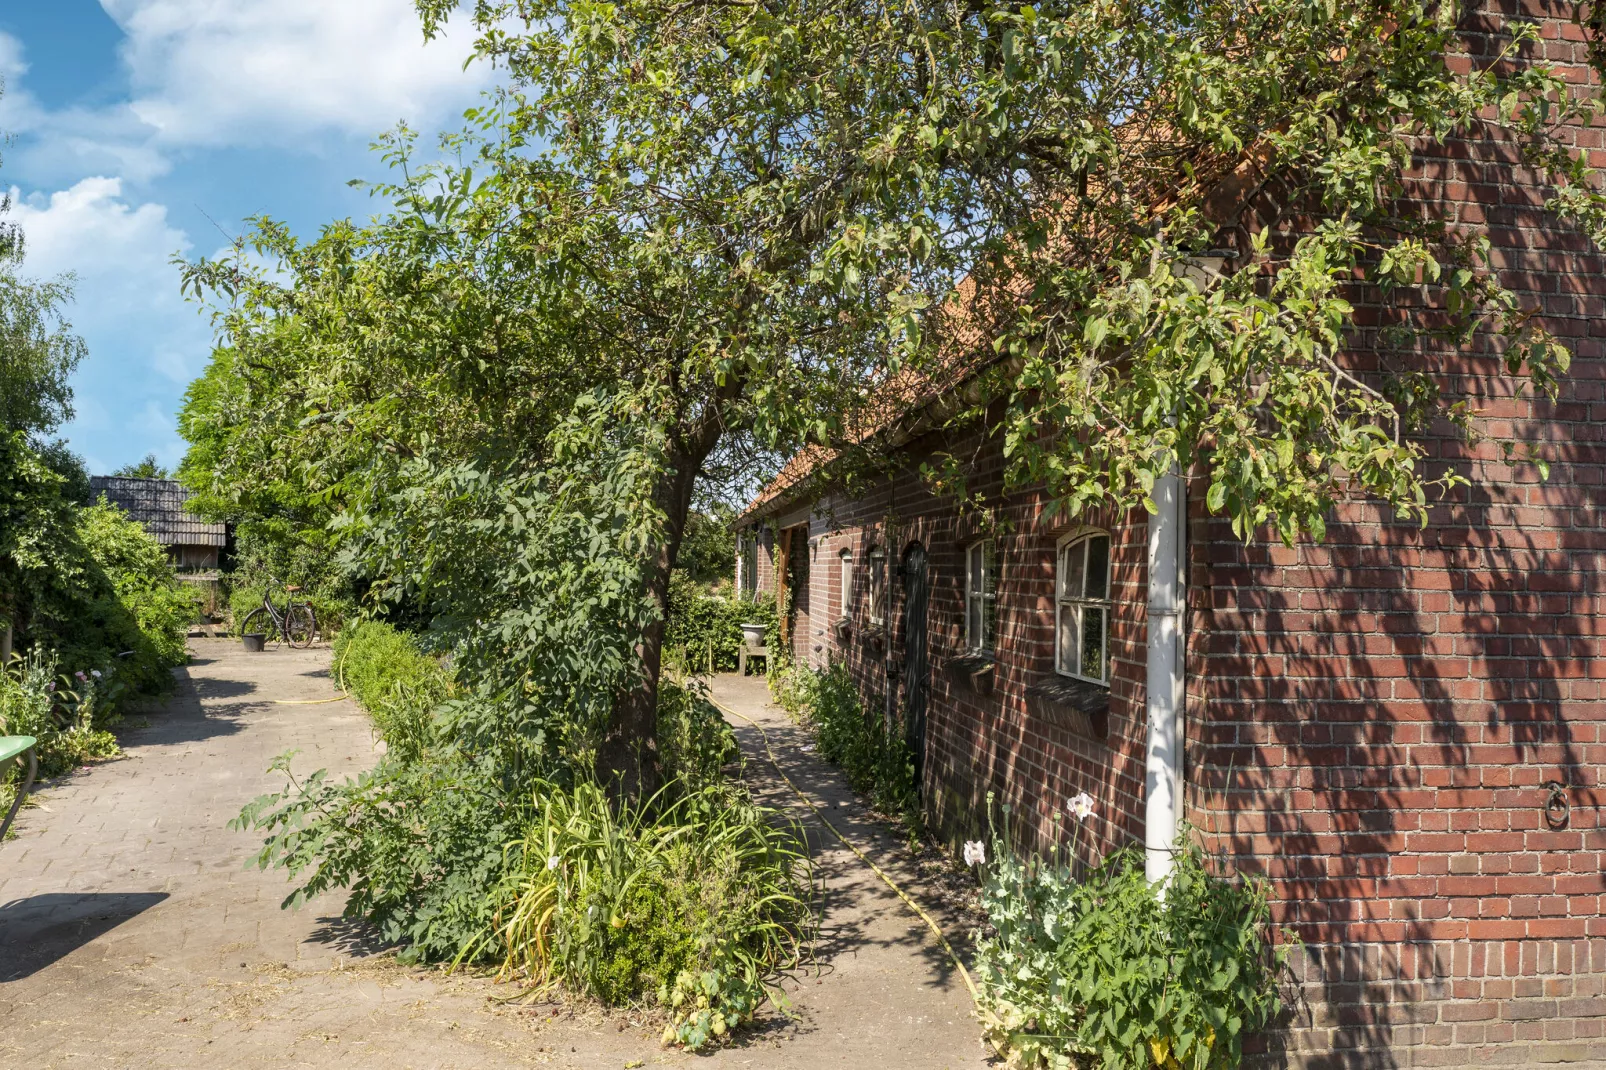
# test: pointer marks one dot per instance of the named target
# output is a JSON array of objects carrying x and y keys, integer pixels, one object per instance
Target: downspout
[{"x": 1163, "y": 748}]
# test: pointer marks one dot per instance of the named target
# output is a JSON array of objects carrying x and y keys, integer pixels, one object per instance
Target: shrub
[
  {"x": 699, "y": 621},
  {"x": 878, "y": 763},
  {"x": 693, "y": 898},
  {"x": 64, "y": 713},
  {"x": 398, "y": 684},
  {"x": 694, "y": 742},
  {"x": 1109, "y": 968},
  {"x": 117, "y": 598}
]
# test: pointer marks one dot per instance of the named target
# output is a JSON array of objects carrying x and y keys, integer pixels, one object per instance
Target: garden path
[{"x": 132, "y": 935}]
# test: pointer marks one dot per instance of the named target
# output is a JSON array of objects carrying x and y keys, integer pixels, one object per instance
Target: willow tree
[{"x": 706, "y": 222}]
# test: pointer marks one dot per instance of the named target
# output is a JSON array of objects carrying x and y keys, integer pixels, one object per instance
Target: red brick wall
[
  {"x": 985, "y": 742},
  {"x": 1370, "y": 721}
]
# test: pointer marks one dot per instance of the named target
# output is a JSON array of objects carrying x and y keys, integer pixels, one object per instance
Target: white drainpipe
[{"x": 1163, "y": 751}]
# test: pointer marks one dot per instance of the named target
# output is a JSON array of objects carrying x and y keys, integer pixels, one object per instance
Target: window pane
[
  {"x": 1098, "y": 566},
  {"x": 1068, "y": 659},
  {"x": 1093, "y": 642},
  {"x": 1071, "y": 560},
  {"x": 973, "y": 621}
]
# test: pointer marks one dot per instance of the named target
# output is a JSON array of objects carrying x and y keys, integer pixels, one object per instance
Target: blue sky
[{"x": 144, "y": 128}]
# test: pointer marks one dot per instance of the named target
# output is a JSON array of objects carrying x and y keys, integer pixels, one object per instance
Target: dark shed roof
[{"x": 158, "y": 504}]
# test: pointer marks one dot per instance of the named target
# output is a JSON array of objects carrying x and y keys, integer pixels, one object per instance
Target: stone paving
[{"x": 133, "y": 935}]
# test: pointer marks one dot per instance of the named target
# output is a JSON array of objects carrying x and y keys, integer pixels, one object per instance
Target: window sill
[
  {"x": 974, "y": 672},
  {"x": 1075, "y": 704}
]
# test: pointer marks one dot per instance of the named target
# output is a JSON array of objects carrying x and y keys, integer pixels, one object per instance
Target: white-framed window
[
  {"x": 1082, "y": 607},
  {"x": 877, "y": 586},
  {"x": 845, "y": 578},
  {"x": 981, "y": 597}
]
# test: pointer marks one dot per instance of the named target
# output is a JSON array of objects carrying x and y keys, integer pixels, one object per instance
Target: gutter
[{"x": 1163, "y": 745}]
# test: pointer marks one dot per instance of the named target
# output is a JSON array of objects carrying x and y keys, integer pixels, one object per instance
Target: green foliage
[
  {"x": 696, "y": 897},
  {"x": 38, "y": 350},
  {"x": 332, "y": 612},
  {"x": 129, "y": 601},
  {"x": 698, "y": 621},
  {"x": 877, "y": 763},
  {"x": 1107, "y": 967},
  {"x": 399, "y": 685},
  {"x": 708, "y": 548},
  {"x": 145, "y": 468},
  {"x": 694, "y": 741},
  {"x": 66, "y": 714},
  {"x": 420, "y": 839},
  {"x": 418, "y": 844}
]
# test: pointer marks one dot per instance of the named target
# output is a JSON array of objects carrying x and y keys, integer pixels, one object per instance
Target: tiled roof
[{"x": 158, "y": 504}]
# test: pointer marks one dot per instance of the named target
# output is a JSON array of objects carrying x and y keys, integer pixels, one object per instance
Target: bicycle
[{"x": 297, "y": 625}]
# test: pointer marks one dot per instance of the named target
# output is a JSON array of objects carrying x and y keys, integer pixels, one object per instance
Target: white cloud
[
  {"x": 145, "y": 341},
  {"x": 217, "y": 72}
]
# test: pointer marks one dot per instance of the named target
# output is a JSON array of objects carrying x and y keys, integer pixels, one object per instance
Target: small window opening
[{"x": 1082, "y": 608}]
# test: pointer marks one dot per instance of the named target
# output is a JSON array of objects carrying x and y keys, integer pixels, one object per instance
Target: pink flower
[{"x": 81, "y": 676}]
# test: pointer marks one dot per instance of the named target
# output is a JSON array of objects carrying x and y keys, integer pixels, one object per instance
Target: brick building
[{"x": 1401, "y": 727}]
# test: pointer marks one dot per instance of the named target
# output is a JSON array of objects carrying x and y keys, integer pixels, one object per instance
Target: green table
[{"x": 12, "y": 749}]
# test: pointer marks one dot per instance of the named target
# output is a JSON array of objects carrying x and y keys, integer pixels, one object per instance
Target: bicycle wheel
[
  {"x": 300, "y": 626},
  {"x": 260, "y": 621}
]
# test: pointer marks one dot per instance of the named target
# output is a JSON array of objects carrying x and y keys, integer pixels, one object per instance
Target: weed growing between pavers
[{"x": 692, "y": 899}]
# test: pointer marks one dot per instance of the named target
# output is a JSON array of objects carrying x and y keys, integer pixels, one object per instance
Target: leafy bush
[
  {"x": 694, "y": 741},
  {"x": 694, "y": 898},
  {"x": 398, "y": 684},
  {"x": 1111, "y": 969},
  {"x": 878, "y": 763},
  {"x": 96, "y": 586},
  {"x": 134, "y": 606},
  {"x": 699, "y": 621},
  {"x": 64, "y": 713},
  {"x": 420, "y": 839}
]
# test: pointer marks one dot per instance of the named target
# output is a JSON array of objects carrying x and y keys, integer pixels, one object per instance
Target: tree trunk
[{"x": 628, "y": 761}]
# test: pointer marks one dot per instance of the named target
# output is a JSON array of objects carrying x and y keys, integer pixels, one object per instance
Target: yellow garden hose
[
  {"x": 877, "y": 870},
  {"x": 307, "y": 701}
]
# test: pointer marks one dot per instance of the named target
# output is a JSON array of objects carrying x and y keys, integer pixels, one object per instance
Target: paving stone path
[{"x": 132, "y": 935}]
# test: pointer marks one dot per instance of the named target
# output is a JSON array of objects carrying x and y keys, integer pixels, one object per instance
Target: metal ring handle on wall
[{"x": 1558, "y": 811}]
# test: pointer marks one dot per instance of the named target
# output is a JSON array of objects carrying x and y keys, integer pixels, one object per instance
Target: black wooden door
[{"x": 916, "y": 668}]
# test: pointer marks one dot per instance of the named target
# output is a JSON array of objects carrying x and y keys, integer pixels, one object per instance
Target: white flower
[
  {"x": 552, "y": 862},
  {"x": 95, "y": 673},
  {"x": 975, "y": 853},
  {"x": 1081, "y": 804}
]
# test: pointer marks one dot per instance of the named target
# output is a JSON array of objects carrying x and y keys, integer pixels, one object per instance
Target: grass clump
[{"x": 693, "y": 899}]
